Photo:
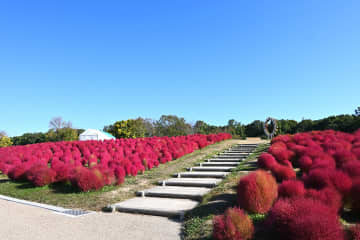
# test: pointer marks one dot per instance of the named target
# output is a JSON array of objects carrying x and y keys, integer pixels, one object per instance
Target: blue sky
[{"x": 95, "y": 62}]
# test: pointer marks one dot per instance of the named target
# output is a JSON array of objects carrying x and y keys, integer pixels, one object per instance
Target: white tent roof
[{"x": 93, "y": 134}]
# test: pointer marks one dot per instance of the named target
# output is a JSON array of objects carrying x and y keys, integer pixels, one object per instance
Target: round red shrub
[
  {"x": 303, "y": 218},
  {"x": 257, "y": 192},
  {"x": 305, "y": 163},
  {"x": 283, "y": 173},
  {"x": 87, "y": 180},
  {"x": 233, "y": 225},
  {"x": 18, "y": 172},
  {"x": 291, "y": 188},
  {"x": 328, "y": 196},
  {"x": 41, "y": 175},
  {"x": 352, "y": 168},
  {"x": 322, "y": 178},
  {"x": 344, "y": 156},
  {"x": 266, "y": 161},
  {"x": 355, "y": 196},
  {"x": 354, "y": 232}
]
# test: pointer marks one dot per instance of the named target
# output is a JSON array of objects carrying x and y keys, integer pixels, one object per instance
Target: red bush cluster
[
  {"x": 354, "y": 233},
  {"x": 329, "y": 162},
  {"x": 94, "y": 164},
  {"x": 309, "y": 206},
  {"x": 233, "y": 225},
  {"x": 257, "y": 192},
  {"x": 303, "y": 218}
]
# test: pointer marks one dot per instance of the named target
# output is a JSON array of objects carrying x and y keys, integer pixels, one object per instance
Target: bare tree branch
[
  {"x": 57, "y": 123},
  {"x": 3, "y": 134}
]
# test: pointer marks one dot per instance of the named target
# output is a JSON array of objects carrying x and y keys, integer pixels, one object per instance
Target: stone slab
[
  {"x": 236, "y": 153},
  {"x": 201, "y": 174},
  {"x": 175, "y": 192},
  {"x": 238, "y": 160},
  {"x": 219, "y": 164},
  {"x": 210, "y": 169},
  {"x": 168, "y": 207},
  {"x": 195, "y": 182}
]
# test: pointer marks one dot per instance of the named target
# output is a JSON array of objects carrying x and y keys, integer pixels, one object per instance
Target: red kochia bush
[
  {"x": 302, "y": 218},
  {"x": 18, "y": 172},
  {"x": 41, "y": 175},
  {"x": 354, "y": 232},
  {"x": 87, "y": 179},
  {"x": 100, "y": 159},
  {"x": 266, "y": 161},
  {"x": 291, "y": 188},
  {"x": 257, "y": 192},
  {"x": 233, "y": 225},
  {"x": 328, "y": 196},
  {"x": 321, "y": 178},
  {"x": 283, "y": 173},
  {"x": 352, "y": 168},
  {"x": 355, "y": 196}
]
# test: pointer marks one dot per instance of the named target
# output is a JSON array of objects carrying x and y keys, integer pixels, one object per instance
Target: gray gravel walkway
[{"x": 19, "y": 221}]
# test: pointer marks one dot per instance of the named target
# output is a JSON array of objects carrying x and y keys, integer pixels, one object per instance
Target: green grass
[
  {"x": 65, "y": 195},
  {"x": 198, "y": 222}
]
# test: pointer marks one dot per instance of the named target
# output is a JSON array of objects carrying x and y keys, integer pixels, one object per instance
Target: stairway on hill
[{"x": 175, "y": 196}]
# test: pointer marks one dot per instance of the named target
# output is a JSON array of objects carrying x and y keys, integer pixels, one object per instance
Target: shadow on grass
[
  {"x": 216, "y": 205},
  {"x": 25, "y": 185},
  {"x": 62, "y": 187},
  {"x": 4, "y": 180}
]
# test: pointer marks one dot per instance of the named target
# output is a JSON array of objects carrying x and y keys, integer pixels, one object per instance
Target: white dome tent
[{"x": 93, "y": 134}]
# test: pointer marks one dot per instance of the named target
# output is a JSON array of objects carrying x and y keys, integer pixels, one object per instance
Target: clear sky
[{"x": 95, "y": 62}]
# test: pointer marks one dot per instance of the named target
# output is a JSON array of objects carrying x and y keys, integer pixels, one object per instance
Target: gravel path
[{"x": 26, "y": 222}]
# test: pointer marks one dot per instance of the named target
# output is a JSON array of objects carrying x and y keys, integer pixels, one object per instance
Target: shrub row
[{"x": 90, "y": 165}]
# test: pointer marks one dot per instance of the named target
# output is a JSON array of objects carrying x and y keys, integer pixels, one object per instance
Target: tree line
[{"x": 172, "y": 125}]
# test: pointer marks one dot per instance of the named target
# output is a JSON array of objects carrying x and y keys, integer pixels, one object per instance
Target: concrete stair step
[
  {"x": 236, "y": 160},
  {"x": 191, "y": 182},
  {"x": 201, "y": 174},
  {"x": 195, "y": 193},
  {"x": 237, "y": 154},
  {"x": 210, "y": 169},
  {"x": 238, "y": 151},
  {"x": 169, "y": 207},
  {"x": 231, "y": 156},
  {"x": 219, "y": 164}
]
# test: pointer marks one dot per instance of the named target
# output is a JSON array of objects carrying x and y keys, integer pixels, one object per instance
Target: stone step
[
  {"x": 195, "y": 193},
  {"x": 238, "y": 151},
  {"x": 169, "y": 207},
  {"x": 210, "y": 169},
  {"x": 191, "y": 182},
  {"x": 243, "y": 148},
  {"x": 237, "y": 160},
  {"x": 247, "y": 145},
  {"x": 231, "y": 156},
  {"x": 201, "y": 174},
  {"x": 219, "y": 164}
]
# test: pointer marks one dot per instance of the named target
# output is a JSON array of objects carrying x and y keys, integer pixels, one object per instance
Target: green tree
[
  {"x": 131, "y": 128},
  {"x": 286, "y": 126},
  {"x": 29, "y": 138},
  {"x": 5, "y": 141},
  {"x": 255, "y": 129},
  {"x": 201, "y": 127},
  {"x": 62, "y": 134},
  {"x": 61, "y": 131},
  {"x": 171, "y": 125},
  {"x": 236, "y": 129}
]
